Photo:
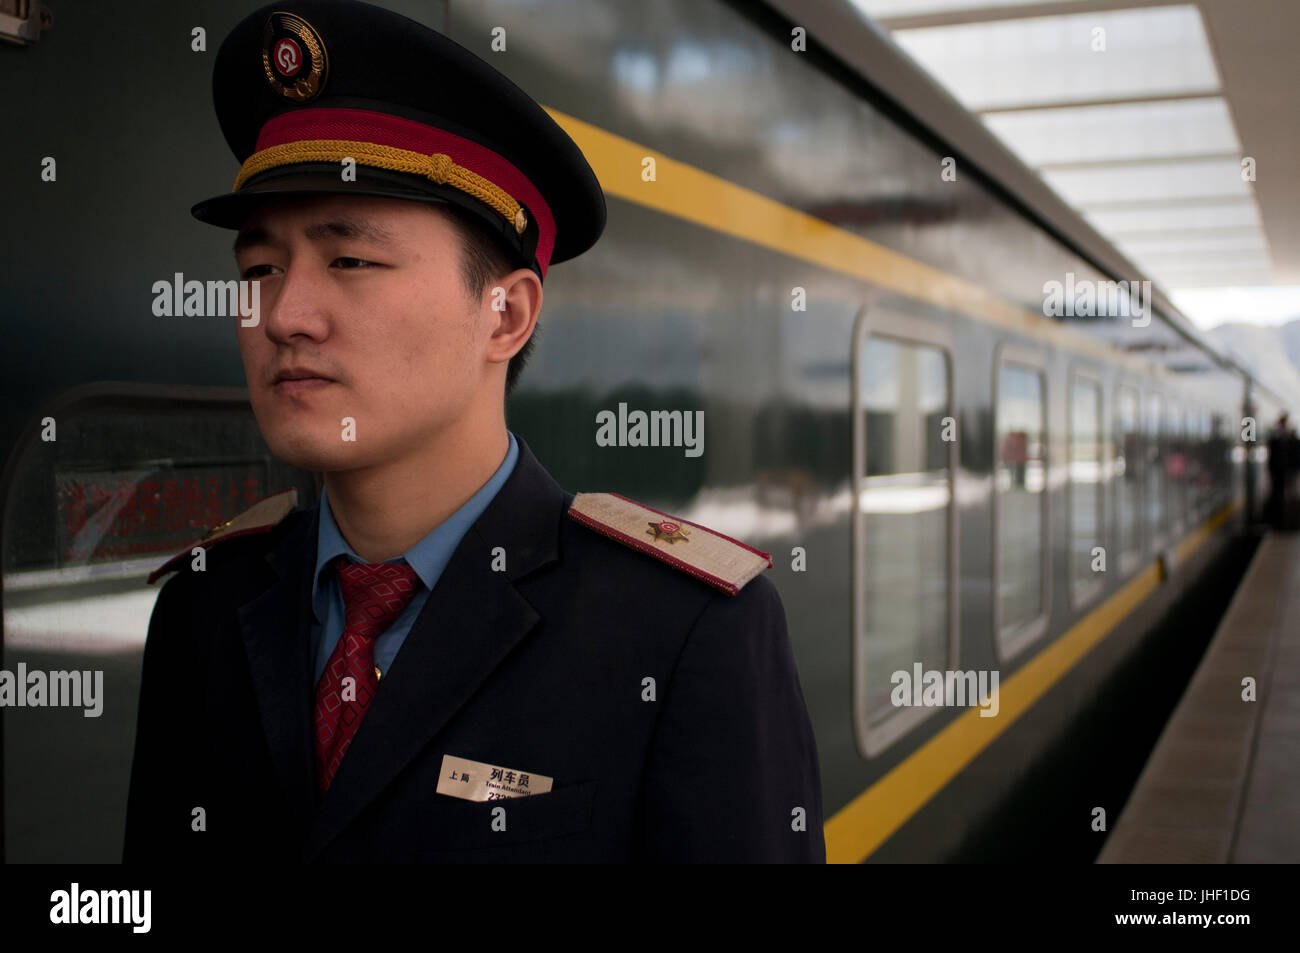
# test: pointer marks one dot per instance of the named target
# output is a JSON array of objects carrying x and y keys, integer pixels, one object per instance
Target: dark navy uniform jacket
[{"x": 538, "y": 668}]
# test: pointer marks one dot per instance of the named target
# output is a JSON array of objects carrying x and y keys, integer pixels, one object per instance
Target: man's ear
[{"x": 514, "y": 301}]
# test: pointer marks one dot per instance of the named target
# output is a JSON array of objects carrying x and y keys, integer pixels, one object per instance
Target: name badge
[{"x": 476, "y": 781}]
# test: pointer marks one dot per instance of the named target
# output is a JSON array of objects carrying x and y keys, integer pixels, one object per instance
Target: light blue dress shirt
[{"x": 428, "y": 558}]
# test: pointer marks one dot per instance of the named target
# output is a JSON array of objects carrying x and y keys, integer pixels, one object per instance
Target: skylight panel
[{"x": 1078, "y": 58}]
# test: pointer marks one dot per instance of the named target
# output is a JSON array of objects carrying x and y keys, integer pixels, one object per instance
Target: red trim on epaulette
[{"x": 716, "y": 582}]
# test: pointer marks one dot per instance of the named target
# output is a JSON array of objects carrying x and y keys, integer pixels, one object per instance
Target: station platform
[{"x": 1223, "y": 782}]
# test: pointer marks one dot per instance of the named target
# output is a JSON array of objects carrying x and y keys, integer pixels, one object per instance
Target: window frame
[
  {"x": 871, "y": 741},
  {"x": 1176, "y": 420},
  {"x": 1158, "y": 540},
  {"x": 1013, "y": 643},
  {"x": 1089, "y": 593},
  {"x": 1206, "y": 494},
  {"x": 1128, "y": 562}
]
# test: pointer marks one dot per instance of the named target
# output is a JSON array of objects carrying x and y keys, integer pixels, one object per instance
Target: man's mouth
[{"x": 295, "y": 380}]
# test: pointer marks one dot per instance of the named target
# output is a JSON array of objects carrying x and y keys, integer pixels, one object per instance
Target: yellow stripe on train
[{"x": 691, "y": 194}]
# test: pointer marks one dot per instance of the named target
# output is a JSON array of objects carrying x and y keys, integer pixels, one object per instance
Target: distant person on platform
[{"x": 1282, "y": 510}]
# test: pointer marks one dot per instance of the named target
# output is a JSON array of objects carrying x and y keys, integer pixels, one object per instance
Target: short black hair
[{"x": 483, "y": 261}]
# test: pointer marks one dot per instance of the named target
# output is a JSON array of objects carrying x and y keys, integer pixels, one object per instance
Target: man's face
[{"x": 364, "y": 319}]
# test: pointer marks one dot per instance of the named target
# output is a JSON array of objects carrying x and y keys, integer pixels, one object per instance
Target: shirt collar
[{"x": 430, "y": 555}]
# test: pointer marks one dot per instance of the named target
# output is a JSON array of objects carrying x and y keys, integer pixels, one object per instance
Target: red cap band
[{"x": 361, "y": 125}]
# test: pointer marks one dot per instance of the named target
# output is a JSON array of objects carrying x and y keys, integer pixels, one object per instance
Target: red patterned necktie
[{"x": 373, "y": 596}]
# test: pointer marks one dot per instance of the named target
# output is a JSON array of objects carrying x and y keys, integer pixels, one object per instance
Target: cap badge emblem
[
  {"x": 287, "y": 59},
  {"x": 293, "y": 57}
]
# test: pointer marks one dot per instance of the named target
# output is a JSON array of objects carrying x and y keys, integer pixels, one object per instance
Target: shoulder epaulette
[
  {"x": 711, "y": 557},
  {"x": 262, "y": 517}
]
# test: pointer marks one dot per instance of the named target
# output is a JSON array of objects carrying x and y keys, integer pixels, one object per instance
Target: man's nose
[{"x": 296, "y": 305}]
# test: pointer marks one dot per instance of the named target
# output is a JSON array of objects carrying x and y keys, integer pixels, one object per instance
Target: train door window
[
  {"x": 113, "y": 481},
  {"x": 1195, "y": 445},
  {"x": 904, "y": 523},
  {"x": 1020, "y": 548},
  {"x": 1129, "y": 464},
  {"x": 1175, "y": 465},
  {"x": 1191, "y": 456},
  {"x": 1229, "y": 456},
  {"x": 1242, "y": 454},
  {"x": 1156, "y": 511},
  {"x": 1204, "y": 466},
  {"x": 1222, "y": 459},
  {"x": 1086, "y": 497}
]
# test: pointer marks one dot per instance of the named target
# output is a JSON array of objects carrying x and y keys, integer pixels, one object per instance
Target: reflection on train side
[{"x": 95, "y": 625}]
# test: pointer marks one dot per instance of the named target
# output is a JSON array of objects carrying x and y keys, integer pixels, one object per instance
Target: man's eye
[
  {"x": 353, "y": 262},
  {"x": 254, "y": 272}
]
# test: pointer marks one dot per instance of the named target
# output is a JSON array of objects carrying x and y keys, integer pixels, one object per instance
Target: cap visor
[{"x": 232, "y": 209}]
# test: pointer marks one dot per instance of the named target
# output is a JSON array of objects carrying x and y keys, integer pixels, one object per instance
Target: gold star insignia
[{"x": 668, "y": 531}]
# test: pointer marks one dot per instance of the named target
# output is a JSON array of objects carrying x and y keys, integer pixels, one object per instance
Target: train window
[
  {"x": 1086, "y": 499},
  {"x": 116, "y": 479},
  {"x": 904, "y": 526},
  {"x": 1157, "y": 514},
  {"x": 1129, "y": 462},
  {"x": 1020, "y": 549}
]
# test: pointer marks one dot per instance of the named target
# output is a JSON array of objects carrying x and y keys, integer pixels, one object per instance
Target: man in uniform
[
  {"x": 450, "y": 658},
  {"x": 1283, "y": 458}
]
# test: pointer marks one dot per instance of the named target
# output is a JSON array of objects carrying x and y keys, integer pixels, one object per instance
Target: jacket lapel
[
  {"x": 277, "y": 639},
  {"x": 471, "y": 621}
]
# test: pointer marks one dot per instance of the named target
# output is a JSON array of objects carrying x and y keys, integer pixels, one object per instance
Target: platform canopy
[{"x": 1170, "y": 126}]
